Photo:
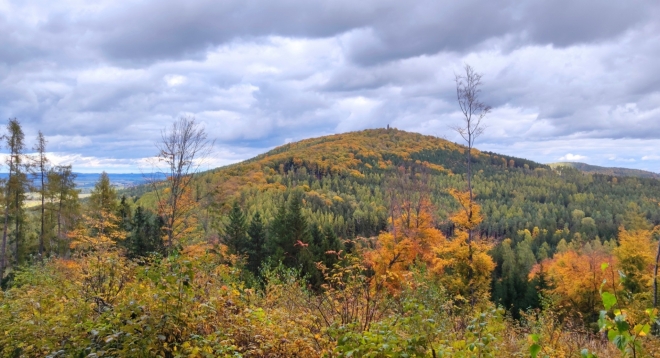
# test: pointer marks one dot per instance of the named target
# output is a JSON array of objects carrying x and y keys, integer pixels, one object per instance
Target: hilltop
[{"x": 613, "y": 171}]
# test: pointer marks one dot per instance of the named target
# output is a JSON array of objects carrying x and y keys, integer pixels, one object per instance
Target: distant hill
[
  {"x": 86, "y": 181},
  {"x": 614, "y": 171}
]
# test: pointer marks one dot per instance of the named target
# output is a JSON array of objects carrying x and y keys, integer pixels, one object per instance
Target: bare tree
[
  {"x": 181, "y": 150},
  {"x": 468, "y": 88}
]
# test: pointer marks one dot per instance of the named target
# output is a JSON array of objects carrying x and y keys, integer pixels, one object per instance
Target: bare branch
[{"x": 182, "y": 149}]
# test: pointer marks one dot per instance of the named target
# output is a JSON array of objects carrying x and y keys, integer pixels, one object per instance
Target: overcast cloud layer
[{"x": 569, "y": 80}]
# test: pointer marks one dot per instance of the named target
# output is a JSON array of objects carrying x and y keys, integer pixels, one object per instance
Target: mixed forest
[{"x": 363, "y": 244}]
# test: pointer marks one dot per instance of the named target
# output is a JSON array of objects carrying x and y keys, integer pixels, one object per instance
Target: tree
[
  {"x": 180, "y": 150},
  {"x": 103, "y": 199},
  {"x": 14, "y": 141},
  {"x": 62, "y": 190},
  {"x": 257, "y": 233},
  {"x": 41, "y": 164},
  {"x": 145, "y": 236},
  {"x": 235, "y": 232},
  {"x": 277, "y": 245},
  {"x": 468, "y": 88},
  {"x": 299, "y": 235}
]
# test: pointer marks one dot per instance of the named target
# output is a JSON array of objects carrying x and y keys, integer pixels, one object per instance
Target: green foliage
[{"x": 235, "y": 235}]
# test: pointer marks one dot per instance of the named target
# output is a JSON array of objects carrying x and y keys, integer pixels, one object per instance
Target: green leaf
[
  {"x": 534, "y": 349},
  {"x": 604, "y": 266},
  {"x": 612, "y": 334},
  {"x": 609, "y": 300},
  {"x": 621, "y": 324},
  {"x": 534, "y": 337},
  {"x": 620, "y": 342}
]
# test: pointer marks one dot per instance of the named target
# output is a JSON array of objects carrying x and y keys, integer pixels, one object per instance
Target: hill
[
  {"x": 613, "y": 171},
  {"x": 342, "y": 176}
]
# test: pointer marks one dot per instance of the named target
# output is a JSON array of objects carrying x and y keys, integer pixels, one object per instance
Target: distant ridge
[{"x": 614, "y": 171}]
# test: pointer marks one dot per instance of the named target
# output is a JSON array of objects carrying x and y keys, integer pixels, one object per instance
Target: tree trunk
[
  {"x": 3, "y": 257},
  {"x": 655, "y": 277},
  {"x": 41, "y": 237},
  {"x": 17, "y": 226}
]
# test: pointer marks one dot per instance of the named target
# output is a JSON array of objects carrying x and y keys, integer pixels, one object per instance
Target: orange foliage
[
  {"x": 413, "y": 237},
  {"x": 576, "y": 278}
]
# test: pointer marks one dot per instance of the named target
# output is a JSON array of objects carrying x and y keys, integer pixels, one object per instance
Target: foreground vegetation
[{"x": 358, "y": 245}]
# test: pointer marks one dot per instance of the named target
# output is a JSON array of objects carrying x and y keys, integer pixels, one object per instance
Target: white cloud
[
  {"x": 572, "y": 157},
  {"x": 256, "y": 79}
]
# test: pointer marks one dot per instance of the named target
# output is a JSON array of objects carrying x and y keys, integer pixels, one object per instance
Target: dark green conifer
[
  {"x": 257, "y": 234},
  {"x": 235, "y": 233}
]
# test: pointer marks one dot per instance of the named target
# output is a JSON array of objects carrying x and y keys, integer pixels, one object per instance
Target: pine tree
[
  {"x": 257, "y": 234},
  {"x": 235, "y": 232}
]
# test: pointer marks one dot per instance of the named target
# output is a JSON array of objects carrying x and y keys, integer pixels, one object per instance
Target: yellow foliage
[
  {"x": 577, "y": 277},
  {"x": 635, "y": 254},
  {"x": 412, "y": 237},
  {"x": 97, "y": 233}
]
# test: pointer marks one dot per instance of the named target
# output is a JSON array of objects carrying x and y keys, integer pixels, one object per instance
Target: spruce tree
[
  {"x": 276, "y": 245},
  {"x": 257, "y": 234},
  {"x": 146, "y": 234},
  {"x": 299, "y": 235},
  {"x": 235, "y": 232},
  {"x": 331, "y": 243}
]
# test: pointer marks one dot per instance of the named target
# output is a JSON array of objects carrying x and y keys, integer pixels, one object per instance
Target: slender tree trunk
[
  {"x": 3, "y": 258},
  {"x": 41, "y": 237},
  {"x": 655, "y": 277},
  {"x": 17, "y": 227}
]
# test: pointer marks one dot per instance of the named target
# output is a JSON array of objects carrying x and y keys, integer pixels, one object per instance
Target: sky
[{"x": 568, "y": 80}]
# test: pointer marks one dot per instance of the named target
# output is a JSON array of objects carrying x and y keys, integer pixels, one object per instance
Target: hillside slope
[
  {"x": 614, "y": 171},
  {"x": 341, "y": 177}
]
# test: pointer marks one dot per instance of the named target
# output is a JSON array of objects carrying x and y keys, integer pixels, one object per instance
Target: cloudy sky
[{"x": 568, "y": 80}]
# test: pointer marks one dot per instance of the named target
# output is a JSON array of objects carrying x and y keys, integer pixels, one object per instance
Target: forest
[{"x": 362, "y": 244}]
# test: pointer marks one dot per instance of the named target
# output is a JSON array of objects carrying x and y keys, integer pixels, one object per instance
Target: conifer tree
[
  {"x": 145, "y": 236},
  {"x": 41, "y": 164},
  {"x": 331, "y": 246},
  {"x": 14, "y": 142},
  {"x": 257, "y": 234},
  {"x": 276, "y": 245},
  {"x": 103, "y": 203},
  {"x": 235, "y": 232},
  {"x": 298, "y": 229},
  {"x": 62, "y": 190}
]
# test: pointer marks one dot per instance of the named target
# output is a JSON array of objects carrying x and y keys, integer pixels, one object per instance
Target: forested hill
[
  {"x": 342, "y": 179},
  {"x": 614, "y": 171},
  {"x": 342, "y": 182}
]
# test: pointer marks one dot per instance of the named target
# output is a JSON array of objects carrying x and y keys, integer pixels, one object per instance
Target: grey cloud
[{"x": 103, "y": 80}]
